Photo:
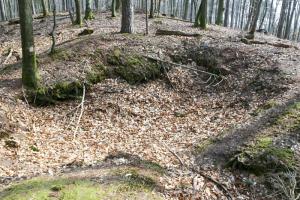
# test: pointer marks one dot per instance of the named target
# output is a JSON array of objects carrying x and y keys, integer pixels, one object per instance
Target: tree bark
[
  {"x": 201, "y": 18},
  {"x": 186, "y": 9},
  {"x": 226, "y": 21},
  {"x": 220, "y": 14},
  {"x": 45, "y": 8},
  {"x": 282, "y": 18},
  {"x": 88, "y": 11},
  {"x": 78, "y": 12},
  {"x": 30, "y": 78},
  {"x": 255, "y": 19},
  {"x": 151, "y": 9},
  {"x": 113, "y": 8},
  {"x": 127, "y": 25}
]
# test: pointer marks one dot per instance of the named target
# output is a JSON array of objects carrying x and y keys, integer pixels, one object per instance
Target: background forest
[{"x": 277, "y": 17}]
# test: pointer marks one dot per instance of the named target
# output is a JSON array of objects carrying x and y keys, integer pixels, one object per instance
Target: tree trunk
[
  {"x": 151, "y": 9},
  {"x": 2, "y": 10},
  {"x": 220, "y": 14},
  {"x": 45, "y": 8},
  {"x": 88, "y": 11},
  {"x": 290, "y": 20},
  {"x": 54, "y": 28},
  {"x": 78, "y": 12},
  {"x": 264, "y": 15},
  {"x": 30, "y": 78},
  {"x": 232, "y": 14},
  {"x": 226, "y": 21},
  {"x": 201, "y": 18},
  {"x": 211, "y": 11},
  {"x": 113, "y": 8},
  {"x": 282, "y": 18},
  {"x": 255, "y": 18},
  {"x": 127, "y": 17},
  {"x": 186, "y": 9}
]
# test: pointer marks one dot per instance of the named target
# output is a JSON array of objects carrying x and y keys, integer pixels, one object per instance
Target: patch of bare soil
[{"x": 181, "y": 110}]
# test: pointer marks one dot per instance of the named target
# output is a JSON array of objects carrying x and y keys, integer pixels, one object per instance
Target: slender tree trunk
[
  {"x": 78, "y": 12},
  {"x": 45, "y": 8},
  {"x": 243, "y": 14},
  {"x": 220, "y": 14},
  {"x": 250, "y": 15},
  {"x": 151, "y": 9},
  {"x": 186, "y": 9},
  {"x": 88, "y": 10},
  {"x": 113, "y": 8},
  {"x": 54, "y": 28},
  {"x": 211, "y": 11},
  {"x": 127, "y": 17},
  {"x": 255, "y": 19},
  {"x": 30, "y": 78},
  {"x": 2, "y": 10},
  {"x": 290, "y": 20},
  {"x": 270, "y": 16},
  {"x": 264, "y": 15},
  {"x": 226, "y": 21},
  {"x": 201, "y": 18},
  {"x": 282, "y": 18},
  {"x": 147, "y": 23},
  {"x": 296, "y": 23},
  {"x": 232, "y": 13}
]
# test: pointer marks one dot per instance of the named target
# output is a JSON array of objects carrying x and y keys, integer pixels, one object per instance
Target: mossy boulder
[
  {"x": 263, "y": 157},
  {"x": 134, "y": 68},
  {"x": 59, "y": 92}
]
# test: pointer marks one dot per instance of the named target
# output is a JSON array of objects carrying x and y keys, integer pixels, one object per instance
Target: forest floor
[{"x": 182, "y": 114}]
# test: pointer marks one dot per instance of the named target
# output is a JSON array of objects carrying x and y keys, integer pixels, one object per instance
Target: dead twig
[
  {"x": 81, "y": 111},
  {"x": 8, "y": 57}
]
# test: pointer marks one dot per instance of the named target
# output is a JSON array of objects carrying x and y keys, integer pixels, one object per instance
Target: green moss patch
[
  {"x": 290, "y": 120},
  {"x": 134, "y": 68},
  {"x": 59, "y": 92},
  {"x": 263, "y": 157},
  {"x": 128, "y": 184}
]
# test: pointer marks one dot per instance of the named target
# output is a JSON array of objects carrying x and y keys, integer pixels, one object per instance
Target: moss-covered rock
[
  {"x": 134, "y": 68},
  {"x": 98, "y": 73},
  {"x": 59, "y": 92},
  {"x": 263, "y": 157}
]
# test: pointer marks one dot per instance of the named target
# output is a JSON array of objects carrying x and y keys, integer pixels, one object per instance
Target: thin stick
[
  {"x": 81, "y": 111},
  {"x": 8, "y": 57}
]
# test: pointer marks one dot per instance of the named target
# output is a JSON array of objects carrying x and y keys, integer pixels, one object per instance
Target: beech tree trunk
[
  {"x": 282, "y": 18},
  {"x": 30, "y": 77},
  {"x": 220, "y": 14},
  {"x": 45, "y": 8},
  {"x": 127, "y": 17},
  {"x": 201, "y": 18},
  {"x": 151, "y": 9},
  {"x": 226, "y": 21},
  {"x": 78, "y": 12},
  {"x": 88, "y": 11},
  {"x": 257, "y": 6},
  {"x": 113, "y": 8}
]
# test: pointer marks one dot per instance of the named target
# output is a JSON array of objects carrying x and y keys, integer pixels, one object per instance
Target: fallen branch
[
  {"x": 177, "y": 33},
  {"x": 280, "y": 45},
  {"x": 81, "y": 111},
  {"x": 193, "y": 169}
]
